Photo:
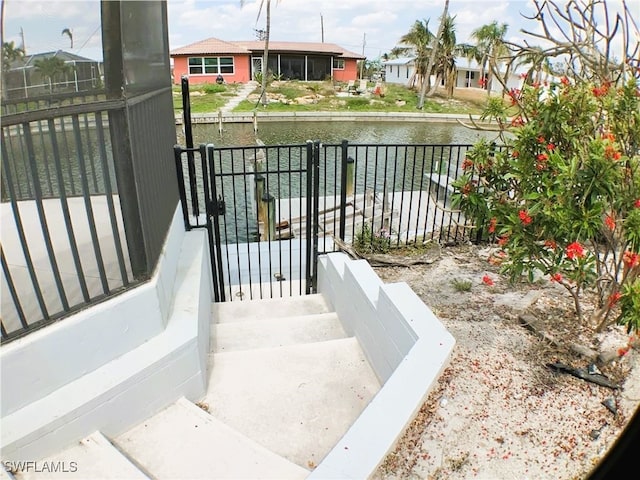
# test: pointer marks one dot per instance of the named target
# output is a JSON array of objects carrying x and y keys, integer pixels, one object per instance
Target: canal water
[{"x": 361, "y": 132}]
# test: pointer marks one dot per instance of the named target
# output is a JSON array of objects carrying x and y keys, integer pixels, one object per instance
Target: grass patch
[{"x": 330, "y": 97}]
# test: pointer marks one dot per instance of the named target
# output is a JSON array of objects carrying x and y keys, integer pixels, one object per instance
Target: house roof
[
  {"x": 29, "y": 60},
  {"x": 399, "y": 61},
  {"x": 217, "y": 46}
]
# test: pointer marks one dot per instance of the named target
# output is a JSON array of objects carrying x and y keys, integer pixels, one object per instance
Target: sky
[{"x": 372, "y": 27}]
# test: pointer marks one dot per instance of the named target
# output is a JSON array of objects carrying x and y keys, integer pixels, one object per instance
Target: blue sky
[{"x": 372, "y": 25}]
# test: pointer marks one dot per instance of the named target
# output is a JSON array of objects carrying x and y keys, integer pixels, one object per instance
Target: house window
[
  {"x": 338, "y": 63},
  {"x": 210, "y": 65}
]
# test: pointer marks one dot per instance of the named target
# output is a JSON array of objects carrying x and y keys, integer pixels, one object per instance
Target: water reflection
[{"x": 284, "y": 133}]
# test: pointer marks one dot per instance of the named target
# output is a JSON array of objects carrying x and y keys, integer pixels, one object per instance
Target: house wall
[
  {"x": 398, "y": 74},
  {"x": 242, "y": 71},
  {"x": 350, "y": 71},
  {"x": 242, "y": 67}
]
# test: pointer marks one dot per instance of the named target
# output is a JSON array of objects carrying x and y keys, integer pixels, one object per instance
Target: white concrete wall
[
  {"x": 122, "y": 380},
  {"x": 407, "y": 346}
]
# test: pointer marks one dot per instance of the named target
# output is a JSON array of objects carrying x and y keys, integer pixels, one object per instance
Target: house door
[{"x": 256, "y": 66}]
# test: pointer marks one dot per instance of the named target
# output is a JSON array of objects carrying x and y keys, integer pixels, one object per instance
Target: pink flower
[
  {"x": 487, "y": 280},
  {"x": 575, "y": 250}
]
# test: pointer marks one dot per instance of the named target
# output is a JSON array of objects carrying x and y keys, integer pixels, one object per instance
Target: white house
[{"x": 400, "y": 70}]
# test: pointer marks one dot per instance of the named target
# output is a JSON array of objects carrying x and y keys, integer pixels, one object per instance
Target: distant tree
[
  {"x": 416, "y": 42},
  {"x": 433, "y": 55},
  {"x": 492, "y": 46},
  {"x": 69, "y": 34},
  {"x": 265, "y": 56},
  {"x": 51, "y": 68},
  {"x": 10, "y": 53},
  {"x": 448, "y": 50}
]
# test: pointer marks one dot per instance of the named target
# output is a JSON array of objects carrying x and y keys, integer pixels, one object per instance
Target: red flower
[
  {"x": 542, "y": 157},
  {"x": 524, "y": 217},
  {"x": 502, "y": 241},
  {"x": 487, "y": 280},
  {"x": 467, "y": 164},
  {"x": 541, "y": 139},
  {"x": 631, "y": 259},
  {"x": 551, "y": 147},
  {"x": 611, "y": 153},
  {"x": 492, "y": 225},
  {"x": 556, "y": 277},
  {"x": 623, "y": 351},
  {"x": 637, "y": 203},
  {"x": 575, "y": 250},
  {"x": 564, "y": 81},
  {"x": 609, "y": 136},
  {"x": 517, "y": 121},
  {"x": 613, "y": 298},
  {"x": 550, "y": 244},
  {"x": 610, "y": 222},
  {"x": 516, "y": 154}
]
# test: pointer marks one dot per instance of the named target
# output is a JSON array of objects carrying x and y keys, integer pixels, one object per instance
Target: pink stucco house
[{"x": 238, "y": 62}]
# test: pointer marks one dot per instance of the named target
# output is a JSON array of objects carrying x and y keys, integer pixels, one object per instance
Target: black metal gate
[{"x": 260, "y": 206}]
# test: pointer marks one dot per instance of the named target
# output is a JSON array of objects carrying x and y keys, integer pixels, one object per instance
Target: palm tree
[
  {"x": 434, "y": 52},
  {"x": 265, "y": 55},
  {"x": 52, "y": 67},
  {"x": 10, "y": 53},
  {"x": 448, "y": 50},
  {"x": 69, "y": 34},
  {"x": 491, "y": 45},
  {"x": 416, "y": 43},
  {"x": 537, "y": 61}
]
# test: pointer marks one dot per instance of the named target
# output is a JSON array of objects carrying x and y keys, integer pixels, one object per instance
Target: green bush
[
  {"x": 213, "y": 88},
  {"x": 368, "y": 242}
]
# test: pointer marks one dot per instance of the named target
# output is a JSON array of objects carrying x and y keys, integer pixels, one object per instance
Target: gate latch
[{"x": 218, "y": 206}]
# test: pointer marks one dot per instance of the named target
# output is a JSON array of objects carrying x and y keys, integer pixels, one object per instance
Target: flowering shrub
[{"x": 562, "y": 195}]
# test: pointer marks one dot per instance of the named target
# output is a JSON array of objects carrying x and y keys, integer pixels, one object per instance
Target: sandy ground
[{"x": 498, "y": 412}]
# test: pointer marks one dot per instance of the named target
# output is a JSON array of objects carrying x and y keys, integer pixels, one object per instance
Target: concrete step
[
  {"x": 245, "y": 310},
  {"x": 94, "y": 457},
  {"x": 297, "y": 400},
  {"x": 275, "y": 332},
  {"x": 185, "y": 442}
]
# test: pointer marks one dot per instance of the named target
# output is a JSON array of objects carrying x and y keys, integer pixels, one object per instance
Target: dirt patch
[{"x": 498, "y": 411}]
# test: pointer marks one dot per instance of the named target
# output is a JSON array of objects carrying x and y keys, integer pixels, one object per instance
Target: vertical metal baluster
[
  {"x": 45, "y": 158},
  {"x": 72, "y": 179},
  {"x": 43, "y": 217},
  {"x": 88, "y": 205},
  {"x": 66, "y": 213},
  {"x": 91, "y": 157},
  {"x": 309, "y": 195},
  {"x": 20, "y": 230},
  {"x": 14, "y": 294},
  {"x": 108, "y": 191}
]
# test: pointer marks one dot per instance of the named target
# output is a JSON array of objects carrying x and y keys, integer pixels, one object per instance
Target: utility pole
[
  {"x": 322, "y": 27},
  {"x": 24, "y": 45},
  {"x": 364, "y": 44}
]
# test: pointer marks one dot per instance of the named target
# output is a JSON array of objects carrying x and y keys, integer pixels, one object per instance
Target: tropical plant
[
  {"x": 432, "y": 55},
  {"x": 416, "y": 42},
  {"x": 51, "y": 68},
  {"x": 562, "y": 195},
  {"x": 10, "y": 53},
  {"x": 448, "y": 50},
  {"x": 493, "y": 50},
  {"x": 69, "y": 34}
]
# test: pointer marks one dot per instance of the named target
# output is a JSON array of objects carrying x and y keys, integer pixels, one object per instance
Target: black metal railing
[
  {"x": 262, "y": 200},
  {"x": 62, "y": 245}
]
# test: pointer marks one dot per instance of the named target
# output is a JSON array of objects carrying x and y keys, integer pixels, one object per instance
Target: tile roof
[
  {"x": 210, "y": 45},
  {"x": 216, "y": 46}
]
